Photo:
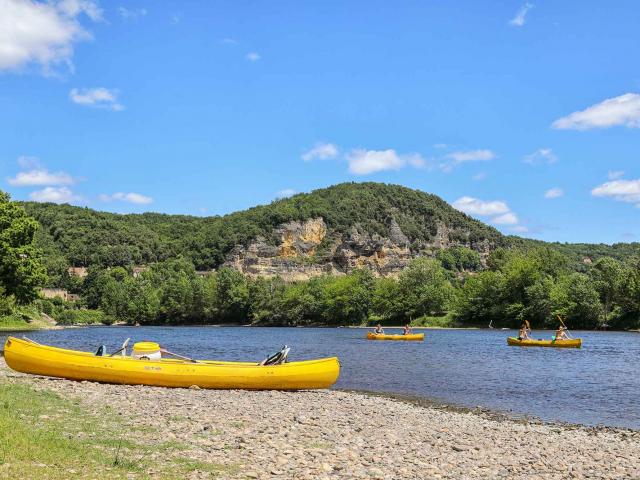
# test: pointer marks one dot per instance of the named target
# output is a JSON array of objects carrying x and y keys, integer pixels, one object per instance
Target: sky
[{"x": 525, "y": 115}]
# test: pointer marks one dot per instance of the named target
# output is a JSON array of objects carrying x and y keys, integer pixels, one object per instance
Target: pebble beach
[{"x": 337, "y": 434}]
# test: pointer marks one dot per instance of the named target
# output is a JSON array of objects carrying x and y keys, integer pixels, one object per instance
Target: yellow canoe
[
  {"x": 419, "y": 337},
  {"x": 569, "y": 343},
  {"x": 29, "y": 357}
]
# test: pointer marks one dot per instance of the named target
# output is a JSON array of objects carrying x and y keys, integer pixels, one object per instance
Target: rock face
[{"x": 300, "y": 250}]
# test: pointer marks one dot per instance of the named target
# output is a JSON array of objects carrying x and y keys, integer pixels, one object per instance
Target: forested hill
[
  {"x": 83, "y": 237},
  {"x": 360, "y": 215}
]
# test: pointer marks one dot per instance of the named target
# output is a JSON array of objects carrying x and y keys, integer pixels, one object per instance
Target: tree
[
  {"x": 424, "y": 289},
  {"x": 21, "y": 272},
  {"x": 609, "y": 278},
  {"x": 575, "y": 299}
]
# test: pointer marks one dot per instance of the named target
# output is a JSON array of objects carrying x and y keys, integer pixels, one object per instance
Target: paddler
[
  {"x": 561, "y": 333},
  {"x": 407, "y": 330},
  {"x": 523, "y": 334},
  {"x": 378, "y": 330}
]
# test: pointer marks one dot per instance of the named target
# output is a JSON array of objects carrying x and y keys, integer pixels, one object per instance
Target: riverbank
[{"x": 142, "y": 432}]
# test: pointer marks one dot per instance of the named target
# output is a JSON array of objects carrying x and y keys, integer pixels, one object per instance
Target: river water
[{"x": 598, "y": 384}]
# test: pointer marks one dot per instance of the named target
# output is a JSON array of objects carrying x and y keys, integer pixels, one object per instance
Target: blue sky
[{"x": 525, "y": 115}]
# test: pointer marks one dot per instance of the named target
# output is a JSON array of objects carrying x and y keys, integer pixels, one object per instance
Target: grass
[{"x": 45, "y": 436}]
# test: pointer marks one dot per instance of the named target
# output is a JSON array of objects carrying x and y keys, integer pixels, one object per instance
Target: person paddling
[
  {"x": 561, "y": 333},
  {"x": 407, "y": 330},
  {"x": 524, "y": 331},
  {"x": 378, "y": 330}
]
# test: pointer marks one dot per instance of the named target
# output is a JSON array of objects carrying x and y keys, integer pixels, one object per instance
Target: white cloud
[
  {"x": 44, "y": 34},
  {"x": 622, "y": 110},
  {"x": 321, "y": 151},
  {"x": 440, "y": 145},
  {"x": 54, "y": 195},
  {"x": 456, "y": 158},
  {"x": 252, "y": 56},
  {"x": 508, "y": 218},
  {"x": 363, "y": 162},
  {"x": 542, "y": 155},
  {"x": 229, "y": 41},
  {"x": 286, "y": 193},
  {"x": 498, "y": 211},
  {"x": 131, "y": 14},
  {"x": 40, "y": 177},
  {"x": 620, "y": 190},
  {"x": 474, "y": 206},
  {"x": 615, "y": 174},
  {"x": 520, "y": 17},
  {"x": 520, "y": 229},
  {"x": 96, "y": 97},
  {"x": 553, "y": 193},
  {"x": 479, "y": 176},
  {"x": 131, "y": 197}
]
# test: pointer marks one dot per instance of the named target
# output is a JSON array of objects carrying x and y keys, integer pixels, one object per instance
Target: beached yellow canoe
[
  {"x": 30, "y": 357},
  {"x": 569, "y": 343},
  {"x": 419, "y": 337}
]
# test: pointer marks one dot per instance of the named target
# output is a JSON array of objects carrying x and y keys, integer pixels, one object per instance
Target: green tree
[
  {"x": 576, "y": 300},
  {"x": 424, "y": 288},
  {"x": 21, "y": 272},
  {"x": 609, "y": 278}
]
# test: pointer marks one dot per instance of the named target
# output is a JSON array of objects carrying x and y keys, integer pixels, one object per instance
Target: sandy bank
[{"x": 334, "y": 434}]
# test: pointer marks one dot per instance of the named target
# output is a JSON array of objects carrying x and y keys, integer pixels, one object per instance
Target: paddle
[
  {"x": 123, "y": 348},
  {"x": 162, "y": 350}
]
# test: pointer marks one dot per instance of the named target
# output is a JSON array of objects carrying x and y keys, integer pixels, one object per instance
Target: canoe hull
[
  {"x": 28, "y": 357},
  {"x": 572, "y": 343},
  {"x": 414, "y": 337}
]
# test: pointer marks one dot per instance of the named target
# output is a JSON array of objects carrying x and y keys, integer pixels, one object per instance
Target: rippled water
[{"x": 598, "y": 384}]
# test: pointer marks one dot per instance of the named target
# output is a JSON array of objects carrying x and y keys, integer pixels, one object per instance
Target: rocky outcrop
[{"x": 300, "y": 250}]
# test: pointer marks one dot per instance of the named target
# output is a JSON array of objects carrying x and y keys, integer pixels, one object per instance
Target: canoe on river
[
  {"x": 568, "y": 343},
  {"x": 30, "y": 357},
  {"x": 382, "y": 336}
]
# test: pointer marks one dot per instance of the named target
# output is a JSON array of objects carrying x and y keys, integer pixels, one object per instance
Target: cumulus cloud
[
  {"x": 55, "y": 195},
  {"x": 38, "y": 175},
  {"x": 286, "y": 193},
  {"x": 99, "y": 97},
  {"x": 454, "y": 159},
  {"x": 508, "y": 218},
  {"x": 622, "y": 110},
  {"x": 131, "y": 14},
  {"x": 542, "y": 155},
  {"x": 321, "y": 151},
  {"x": 363, "y": 162},
  {"x": 553, "y": 193},
  {"x": 43, "y": 34},
  {"x": 498, "y": 211},
  {"x": 521, "y": 16},
  {"x": 130, "y": 197},
  {"x": 615, "y": 174},
  {"x": 621, "y": 190},
  {"x": 474, "y": 206},
  {"x": 252, "y": 56}
]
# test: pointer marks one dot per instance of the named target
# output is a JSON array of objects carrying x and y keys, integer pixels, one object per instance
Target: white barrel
[{"x": 146, "y": 351}]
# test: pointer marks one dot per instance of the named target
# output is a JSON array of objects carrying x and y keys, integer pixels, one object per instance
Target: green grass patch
[{"x": 45, "y": 436}]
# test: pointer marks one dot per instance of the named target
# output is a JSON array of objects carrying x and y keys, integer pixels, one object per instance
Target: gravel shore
[{"x": 334, "y": 434}]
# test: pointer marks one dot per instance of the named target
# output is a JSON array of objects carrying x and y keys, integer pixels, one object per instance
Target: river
[{"x": 596, "y": 385}]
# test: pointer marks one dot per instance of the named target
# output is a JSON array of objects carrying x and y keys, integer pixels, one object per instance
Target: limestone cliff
[{"x": 300, "y": 250}]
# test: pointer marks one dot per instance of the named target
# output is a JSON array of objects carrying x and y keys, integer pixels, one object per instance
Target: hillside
[
  {"x": 330, "y": 230},
  {"x": 367, "y": 216}
]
